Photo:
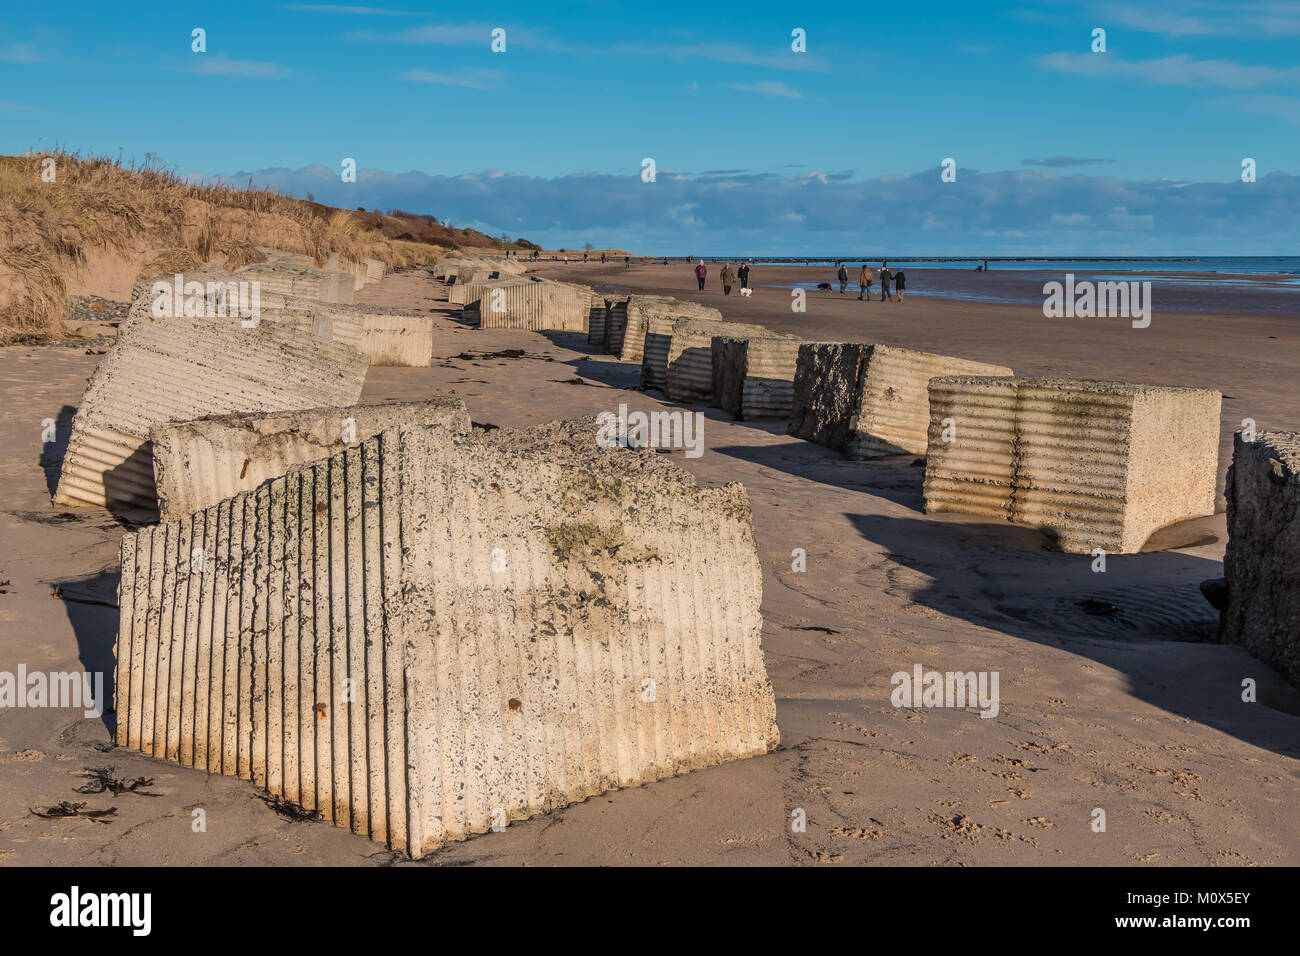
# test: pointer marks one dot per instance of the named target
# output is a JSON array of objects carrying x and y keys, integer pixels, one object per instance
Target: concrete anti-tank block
[
  {"x": 689, "y": 373},
  {"x": 167, "y": 370},
  {"x": 1262, "y": 560},
  {"x": 753, "y": 376},
  {"x": 536, "y": 306},
  {"x": 428, "y": 635},
  {"x": 869, "y": 400},
  {"x": 198, "y": 463},
  {"x": 1098, "y": 464}
]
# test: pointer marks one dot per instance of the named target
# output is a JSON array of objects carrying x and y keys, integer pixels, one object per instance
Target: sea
[{"x": 1254, "y": 285}]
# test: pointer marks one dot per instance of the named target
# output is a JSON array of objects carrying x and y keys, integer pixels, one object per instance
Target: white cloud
[
  {"x": 21, "y": 53},
  {"x": 469, "y": 79},
  {"x": 1179, "y": 70},
  {"x": 207, "y": 64},
  {"x": 769, "y": 88}
]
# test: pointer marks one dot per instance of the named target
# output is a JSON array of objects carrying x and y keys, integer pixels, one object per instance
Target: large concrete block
[
  {"x": 869, "y": 400},
  {"x": 429, "y": 634},
  {"x": 398, "y": 338},
  {"x": 1099, "y": 464},
  {"x": 1262, "y": 560},
  {"x": 601, "y": 304},
  {"x": 319, "y": 284},
  {"x": 753, "y": 376},
  {"x": 627, "y": 338},
  {"x": 179, "y": 369},
  {"x": 688, "y": 375},
  {"x": 536, "y": 306},
  {"x": 467, "y": 294},
  {"x": 196, "y": 464}
]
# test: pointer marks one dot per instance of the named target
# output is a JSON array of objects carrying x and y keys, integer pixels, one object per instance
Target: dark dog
[{"x": 823, "y": 287}]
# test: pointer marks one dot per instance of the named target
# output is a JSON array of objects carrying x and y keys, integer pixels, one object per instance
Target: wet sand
[{"x": 1130, "y": 711}]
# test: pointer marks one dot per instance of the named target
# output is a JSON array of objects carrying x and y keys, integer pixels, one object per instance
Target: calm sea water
[
  {"x": 1254, "y": 285},
  {"x": 1280, "y": 266}
]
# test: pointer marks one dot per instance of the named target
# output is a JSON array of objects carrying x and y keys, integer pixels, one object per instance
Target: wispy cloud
[
  {"x": 1192, "y": 18},
  {"x": 350, "y": 11},
  {"x": 1179, "y": 70},
  {"x": 469, "y": 79},
  {"x": 207, "y": 64},
  {"x": 769, "y": 88},
  {"x": 1054, "y": 161},
  {"x": 736, "y": 53},
  {"x": 21, "y": 53},
  {"x": 1262, "y": 104},
  {"x": 8, "y": 107}
]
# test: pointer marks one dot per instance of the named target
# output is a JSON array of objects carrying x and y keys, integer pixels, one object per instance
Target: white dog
[{"x": 747, "y": 292}]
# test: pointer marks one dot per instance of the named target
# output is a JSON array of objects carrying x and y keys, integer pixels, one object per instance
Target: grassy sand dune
[{"x": 98, "y": 226}]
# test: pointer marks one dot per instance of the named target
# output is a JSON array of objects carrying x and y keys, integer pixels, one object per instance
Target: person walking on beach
[
  {"x": 627, "y": 262},
  {"x": 864, "y": 284},
  {"x": 727, "y": 277},
  {"x": 885, "y": 277},
  {"x": 899, "y": 280},
  {"x": 843, "y": 276},
  {"x": 700, "y": 273},
  {"x": 743, "y": 272}
]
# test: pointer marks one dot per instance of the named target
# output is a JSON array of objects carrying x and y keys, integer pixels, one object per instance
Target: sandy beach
[{"x": 1113, "y": 694}]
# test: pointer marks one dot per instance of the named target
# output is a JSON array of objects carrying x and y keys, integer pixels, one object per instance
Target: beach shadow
[
  {"x": 52, "y": 453},
  {"x": 1144, "y": 616},
  {"x": 896, "y": 478},
  {"x": 91, "y": 605}
]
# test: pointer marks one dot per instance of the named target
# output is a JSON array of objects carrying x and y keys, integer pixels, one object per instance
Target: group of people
[
  {"x": 866, "y": 277},
  {"x": 727, "y": 275}
]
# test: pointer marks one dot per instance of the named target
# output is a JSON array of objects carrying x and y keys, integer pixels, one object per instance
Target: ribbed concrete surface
[
  {"x": 601, "y": 303},
  {"x": 398, "y": 339},
  {"x": 689, "y": 373},
  {"x": 627, "y": 340},
  {"x": 754, "y": 377},
  {"x": 428, "y": 633},
  {"x": 869, "y": 400},
  {"x": 536, "y": 306},
  {"x": 1099, "y": 464},
  {"x": 467, "y": 294},
  {"x": 325, "y": 286},
  {"x": 322, "y": 319},
  {"x": 180, "y": 369},
  {"x": 1262, "y": 560},
  {"x": 450, "y": 266},
  {"x": 198, "y": 463},
  {"x": 658, "y": 342}
]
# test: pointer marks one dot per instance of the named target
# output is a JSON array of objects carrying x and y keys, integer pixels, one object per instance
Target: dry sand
[{"x": 1126, "y": 711}]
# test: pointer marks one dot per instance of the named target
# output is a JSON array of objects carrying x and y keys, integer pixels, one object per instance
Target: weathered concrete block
[
  {"x": 1099, "y": 464},
  {"x": 536, "y": 306},
  {"x": 869, "y": 400},
  {"x": 526, "y": 621},
  {"x": 180, "y": 369},
  {"x": 398, "y": 338},
  {"x": 467, "y": 294},
  {"x": 689, "y": 373},
  {"x": 319, "y": 284},
  {"x": 601, "y": 304},
  {"x": 1262, "y": 560},
  {"x": 196, "y": 464},
  {"x": 627, "y": 339},
  {"x": 657, "y": 343},
  {"x": 753, "y": 377}
]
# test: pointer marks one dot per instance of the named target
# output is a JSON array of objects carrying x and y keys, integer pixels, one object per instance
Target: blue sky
[{"x": 1059, "y": 150}]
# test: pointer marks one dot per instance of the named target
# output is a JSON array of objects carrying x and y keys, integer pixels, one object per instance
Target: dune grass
[{"x": 156, "y": 223}]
